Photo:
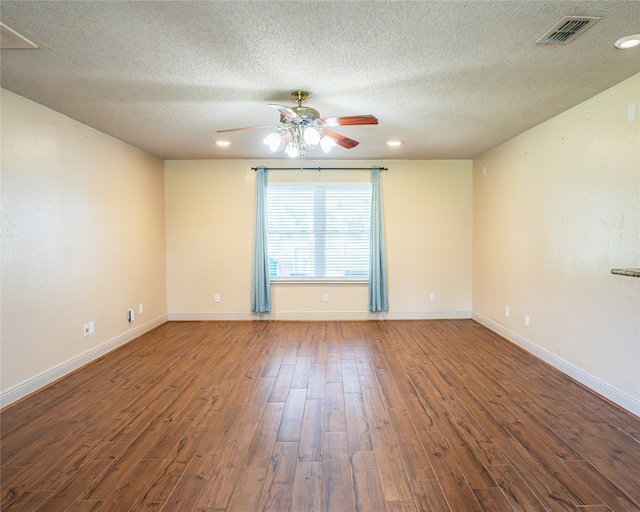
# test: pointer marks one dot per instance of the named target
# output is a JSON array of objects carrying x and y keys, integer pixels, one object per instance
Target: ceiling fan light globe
[
  {"x": 291, "y": 151},
  {"x": 311, "y": 136},
  {"x": 327, "y": 143},
  {"x": 273, "y": 140}
]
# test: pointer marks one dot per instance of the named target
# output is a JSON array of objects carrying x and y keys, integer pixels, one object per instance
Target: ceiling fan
[{"x": 302, "y": 128}]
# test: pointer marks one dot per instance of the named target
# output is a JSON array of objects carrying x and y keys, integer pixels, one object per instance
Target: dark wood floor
[{"x": 370, "y": 416}]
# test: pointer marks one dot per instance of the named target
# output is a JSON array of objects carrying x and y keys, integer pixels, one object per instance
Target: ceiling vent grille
[{"x": 567, "y": 29}]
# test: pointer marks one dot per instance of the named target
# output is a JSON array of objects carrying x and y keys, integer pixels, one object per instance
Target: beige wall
[
  {"x": 82, "y": 239},
  {"x": 559, "y": 207},
  {"x": 209, "y": 228}
]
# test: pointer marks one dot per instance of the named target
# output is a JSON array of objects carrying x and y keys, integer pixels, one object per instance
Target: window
[{"x": 318, "y": 230}]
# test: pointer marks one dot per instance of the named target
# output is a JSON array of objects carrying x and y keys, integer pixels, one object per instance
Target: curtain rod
[{"x": 320, "y": 168}]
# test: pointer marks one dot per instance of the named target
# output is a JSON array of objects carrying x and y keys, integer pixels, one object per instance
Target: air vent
[{"x": 567, "y": 29}]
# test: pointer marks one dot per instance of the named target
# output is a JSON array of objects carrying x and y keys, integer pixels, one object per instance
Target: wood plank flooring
[{"x": 440, "y": 416}]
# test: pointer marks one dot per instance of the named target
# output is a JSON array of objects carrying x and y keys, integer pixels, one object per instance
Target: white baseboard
[
  {"x": 315, "y": 316},
  {"x": 43, "y": 379},
  {"x": 205, "y": 316},
  {"x": 428, "y": 315},
  {"x": 618, "y": 397}
]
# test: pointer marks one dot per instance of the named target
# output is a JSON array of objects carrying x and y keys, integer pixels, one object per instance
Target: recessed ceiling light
[
  {"x": 625, "y": 43},
  {"x": 394, "y": 143},
  {"x": 222, "y": 142}
]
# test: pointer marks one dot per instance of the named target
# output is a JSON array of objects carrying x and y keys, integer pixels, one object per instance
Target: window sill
[{"x": 279, "y": 281}]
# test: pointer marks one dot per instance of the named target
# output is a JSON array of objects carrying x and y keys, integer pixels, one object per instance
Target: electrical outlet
[
  {"x": 140, "y": 307},
  {"x": 88, "y": 328},
  {"x": 216, "y": 297},
  {"x": 526, "y": 320},
  {"x": 506, "y": 312},
  {"x": 131, "y": 315},
  {"x": 325, "y": 297},
  {"x": 631, "y": 112},
  {"x": 432, "y": 297}
]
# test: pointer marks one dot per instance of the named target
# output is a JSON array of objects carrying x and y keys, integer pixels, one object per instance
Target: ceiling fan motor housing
[{"x": 305, "y": 113}]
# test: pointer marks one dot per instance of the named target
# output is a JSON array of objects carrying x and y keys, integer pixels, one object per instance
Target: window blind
[{"x": 318, "y": 230}]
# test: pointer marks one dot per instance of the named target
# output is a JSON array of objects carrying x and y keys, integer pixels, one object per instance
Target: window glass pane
[{"x": 319, "y": 230}]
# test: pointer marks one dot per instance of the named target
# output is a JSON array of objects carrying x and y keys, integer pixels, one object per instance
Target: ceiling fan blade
[
  {"x": 349, "y": 120},
  {"x": 286, "y": 112},
  {"x": 341, "y": 140},
  {"x": 248, "y": 128}
]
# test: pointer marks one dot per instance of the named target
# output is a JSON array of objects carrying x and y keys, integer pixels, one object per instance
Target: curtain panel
[
  {"x": 260, "y": 281},
  {"x": 377, "y": 260}
]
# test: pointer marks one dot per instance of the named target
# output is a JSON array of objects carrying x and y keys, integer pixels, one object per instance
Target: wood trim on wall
[{"x": 328, "y": 316}]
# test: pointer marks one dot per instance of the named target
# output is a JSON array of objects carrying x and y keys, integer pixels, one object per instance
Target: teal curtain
[
  {"x": 260, "y": 283},
  {"x": 377, "y": 258}
]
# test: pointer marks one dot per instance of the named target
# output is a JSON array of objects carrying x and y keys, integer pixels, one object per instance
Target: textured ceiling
[{"x": 451, "y": 79}]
